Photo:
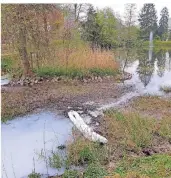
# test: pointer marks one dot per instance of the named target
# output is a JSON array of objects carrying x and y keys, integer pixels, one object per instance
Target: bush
[{"x": 95, "y": 171}]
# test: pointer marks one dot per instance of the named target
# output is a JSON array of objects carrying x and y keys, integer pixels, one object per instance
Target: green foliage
[
  {"x": 55, "y": 160},
  {"x": 95, "y": 170},
  {"x": 155, "y": 166},
  {"x": 34, "y": 175},
  {"x": 102, "y": 72},
  {"x": 133, "y": 130},
  {"x": 162, "y": 44},
  {"x": 148, "y": 20},
  {"x": 71, "y": 174},
  {"x": 82, "y": 151},
  {"x": 165, "y": 128},
  {"x": 87, "y": 155},
  {"x": 6, "y": 63},
  {"x": 61, "y": 71},
  {"x": 101, "y": 28},
  {"x": 163, "y": 24},
  {"x": 72, "y": 72}
]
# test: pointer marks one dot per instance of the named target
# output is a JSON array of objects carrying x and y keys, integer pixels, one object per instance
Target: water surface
[
  {"x": 150, "y": 69},
  {"x": 24, "y": 138}
]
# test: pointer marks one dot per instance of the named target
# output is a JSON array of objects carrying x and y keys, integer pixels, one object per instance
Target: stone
[
  {"x": 84, "y": 80},
  {"x": 97, "y": 124},
  {"x": 100, "y": 79}
]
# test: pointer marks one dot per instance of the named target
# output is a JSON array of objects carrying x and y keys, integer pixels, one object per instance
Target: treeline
[
  {"x": 50, "y": 31},
  {"x": 148, "y": 22}
]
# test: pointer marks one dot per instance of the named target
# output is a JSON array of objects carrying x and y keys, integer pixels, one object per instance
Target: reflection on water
[{"x": 150, "y": 69}]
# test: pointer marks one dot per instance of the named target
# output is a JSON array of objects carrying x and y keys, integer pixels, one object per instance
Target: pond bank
[{"x": 59, "y": 95}]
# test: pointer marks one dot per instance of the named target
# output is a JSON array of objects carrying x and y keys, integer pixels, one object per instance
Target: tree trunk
[
  {"x": 23, "y": 41},
  {"x": 45, "y": 28}
]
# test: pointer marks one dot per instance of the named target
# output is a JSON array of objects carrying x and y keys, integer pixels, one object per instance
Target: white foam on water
[
  {"x": 125, "y": 98},
  {"x": 23, "y": 139}
]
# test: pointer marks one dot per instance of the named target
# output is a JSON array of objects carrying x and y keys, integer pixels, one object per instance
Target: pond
[
  {"x": 150, "y": 69},
  {"x": 24, "y": 138}
]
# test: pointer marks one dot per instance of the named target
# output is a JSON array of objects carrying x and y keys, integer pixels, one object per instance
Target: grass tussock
[
  {"x": 129, "y": 130},
  {"x": 165, "y": 128},
  {"x": 83, "y": 151}
]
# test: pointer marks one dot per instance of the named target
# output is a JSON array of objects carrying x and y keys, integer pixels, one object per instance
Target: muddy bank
[{"x": 61, "y": 96}]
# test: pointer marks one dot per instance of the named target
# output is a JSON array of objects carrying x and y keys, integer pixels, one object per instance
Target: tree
[
  {"x": 148, "y": 21},
  {"x": 16, "y": 18},
  {"x": 108, "y": 30},
  {"x": 130, "y": 30},
  {"x": 29, "y": 27},
  {"x": 91, "y": 29},
  {"x": 163, "y": 23},
  {"x": 146, "y": 67}
]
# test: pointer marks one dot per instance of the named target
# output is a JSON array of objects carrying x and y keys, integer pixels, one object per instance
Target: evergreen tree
[
  {"x": 148, "y": 21},
  {"x": 91, "y": 29},
  {"x": 163, "y": 23}
]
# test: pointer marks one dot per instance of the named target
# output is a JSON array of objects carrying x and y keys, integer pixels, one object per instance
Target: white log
[{"x": 85, "y": 129}]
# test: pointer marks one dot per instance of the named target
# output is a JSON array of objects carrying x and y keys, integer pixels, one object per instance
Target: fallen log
[{"x": 85, "y": 129}]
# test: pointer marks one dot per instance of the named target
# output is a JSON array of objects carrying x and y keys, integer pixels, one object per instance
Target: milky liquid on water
[{"x": 23, "y": 140}]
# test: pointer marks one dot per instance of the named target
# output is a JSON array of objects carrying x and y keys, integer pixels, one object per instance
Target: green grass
[
  {"x": 156, "y": 166},
  {"x": 72, "y": 72},
  {"x": 95, "y": 170},
  {"x": 34, "y": 175},
  {"x": 102, "y": 72},
  {"x": 6, "y": 63},
  {"x": 71, "y": 174},
  {"x": 165, "y": 128},
  {"x": 82, "y": 151},
  {"x": 158, "y": 44},
  {"x": 130, "y": 129},
  {"x": 56, "y": 161}
]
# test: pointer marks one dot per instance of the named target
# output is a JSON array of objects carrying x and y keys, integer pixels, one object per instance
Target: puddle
[
  {"x": 148, "y": 74},
  {"x": 5, "y": 79},
  {"x": 23, "y": 140}
]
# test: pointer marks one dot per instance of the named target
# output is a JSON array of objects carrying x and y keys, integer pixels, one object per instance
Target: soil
[{"x": 17, "y": 100}]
